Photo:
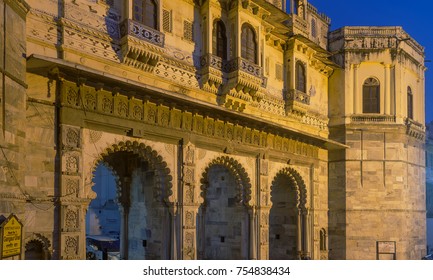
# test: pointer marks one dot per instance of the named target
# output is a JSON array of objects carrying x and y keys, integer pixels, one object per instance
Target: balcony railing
[
  {"x": 243, "y": 65},
  {"x": 372, "y": 118},
  {"x": 141, "y": 31},
  {"x": 210, "y": 60},
  {"x": 298, "y": 96}
]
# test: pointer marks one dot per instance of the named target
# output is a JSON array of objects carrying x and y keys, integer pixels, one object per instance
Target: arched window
[
  {"x": 300, "y": 77},
  {"x": 371, "y": 96},
  {"x": 219, "y": 40},
  {"x": 313, "y": 28},
  {"x": 145, "y": 12},
  {"x": 409, "y": 103},
  {"x": 248, "y": 43}
]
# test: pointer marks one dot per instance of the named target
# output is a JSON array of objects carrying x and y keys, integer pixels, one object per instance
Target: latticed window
[
  {"x": 409, "y": 103},
  {"x": 248, "y": 43},
  {"x": 145, "y": 12},
  {"x": 278, "y": 71},
  {"x": 166, "y": 20},
  {"x": 219, "y": 40},
  {"x": 371, "y": 96},
  {"x": 300, "y": 77},
  {"x": 188, "y": 30}
]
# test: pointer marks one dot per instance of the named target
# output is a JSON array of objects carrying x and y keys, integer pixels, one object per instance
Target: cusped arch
[
  {"x": 297, "y": 182},
  {"x": 42, "y": 241},
  {"x": 243, "y": 182},
  {"x": 163, "y": 185}
]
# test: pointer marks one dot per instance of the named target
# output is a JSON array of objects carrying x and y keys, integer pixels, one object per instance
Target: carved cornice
[
  {"x": 415, "y": 129},
  {"x": 146, "y": 112}
]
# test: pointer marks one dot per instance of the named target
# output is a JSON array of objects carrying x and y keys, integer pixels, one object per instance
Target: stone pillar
[
  {"x": 307, "y": 231},
  {"x": 173, "y": 231},
  {"x": 357, "y": 97},
  {"x": 264, "y": 207},
  {"x": 125, "y": 206},
  {"x": 387, "y": 101},
  {"x": 189, "y": 202},
  {"x": 253, "y": 235},
  {"x": 72, "y": 203},
  {"x": 299, "y": 235}
]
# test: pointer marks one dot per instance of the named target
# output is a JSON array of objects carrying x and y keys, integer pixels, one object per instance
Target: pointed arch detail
[
  {"x": 163, "y": 187},
  {"x": 243, "y": 182},
  {"x": 297, "y": 182}
]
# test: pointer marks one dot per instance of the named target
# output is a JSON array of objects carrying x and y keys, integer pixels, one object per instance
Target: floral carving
[
  {"x": 71, "y": 219},
  {"x": 71, "y": 187},
  {"x": 72, "y": 97},
  {"x": 72, "y": 164},
  {"x": 107, "y": 105},
  {"x": 71, "y": 245},
  {"x": 90, "y": 102},
  {"x": 122, "y": 109},
  {"x": 72, "y": 137}
]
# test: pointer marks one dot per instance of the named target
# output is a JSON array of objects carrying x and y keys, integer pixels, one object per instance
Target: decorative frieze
[{"x": 120, "y": 105}]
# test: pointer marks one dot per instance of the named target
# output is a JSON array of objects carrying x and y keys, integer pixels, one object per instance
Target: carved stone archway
[
  {"x": 289, "y": 199},
  {"x": 163, "y": 187},
  {"x": 224, "y": 215},
  {"x": 243, "y": 182},
  {"x": 124, "y": 159},
  {"x": 37, "y": 247}
]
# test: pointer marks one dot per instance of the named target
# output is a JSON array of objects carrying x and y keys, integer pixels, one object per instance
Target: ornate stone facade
[{"x": 231, "y": 130}]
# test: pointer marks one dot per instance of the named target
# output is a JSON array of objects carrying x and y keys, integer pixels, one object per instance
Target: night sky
[{"x": 416, "y": 18}]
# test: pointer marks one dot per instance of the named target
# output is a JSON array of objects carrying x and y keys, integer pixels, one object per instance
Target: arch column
[
  {"x": 306, "y": 228},
  {"x": 263, "y": 209},
  {"x": 72, "y": 202},
  {"x": 124, "y": 211},
  {"x": 299, "y": 235},
  {"x": 189, "y": 203},
  {"x": 252, "y": 232},
  {"x": 357, "y": 96}
]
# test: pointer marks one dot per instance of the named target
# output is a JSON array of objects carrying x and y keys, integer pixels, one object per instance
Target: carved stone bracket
[{"x": 141, "y": 46}]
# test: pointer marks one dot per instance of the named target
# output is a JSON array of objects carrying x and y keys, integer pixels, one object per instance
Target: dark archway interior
[{"x": 283, "y": 220}]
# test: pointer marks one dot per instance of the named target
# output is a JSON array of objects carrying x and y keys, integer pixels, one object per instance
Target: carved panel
[
  {"x": 71, "y": 186},
  {"x": 71, "y": 137},
  {"x": 71, "y": 218},
  {"x": 105, "y": 102},
  {"x": 189, "y": 219},
  {"x": 71, "y": 163},
  {"x": 71, "y": 245},
  {"x": 136, "y": 109},
  {"x": 121, "y": 106},
  {"x": 188, "y": 175},
  {"x": 189, "y": 249},
  {"x": 187, "y": 121},
  {"x": 189, "y": 194},
  {"x": 163, "y": 115}
]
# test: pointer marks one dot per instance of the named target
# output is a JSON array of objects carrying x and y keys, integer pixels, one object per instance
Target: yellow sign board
[{"x": 10, "y": 237}]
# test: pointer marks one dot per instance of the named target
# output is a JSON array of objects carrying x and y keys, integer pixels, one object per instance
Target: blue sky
[{"x": 416, "y": 18}]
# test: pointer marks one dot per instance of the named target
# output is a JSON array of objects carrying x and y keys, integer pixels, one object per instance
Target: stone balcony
[
  {"x": 141, "y": 46},
  {"x": 244, "y": 76},
  {"x": 297, "y": 25},
  {"x": 296, "y": 101},
  {"x": 211, "y": 71}
]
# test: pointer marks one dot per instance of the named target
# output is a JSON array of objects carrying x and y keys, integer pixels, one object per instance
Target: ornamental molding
[{"x": 147, "y": 112}]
